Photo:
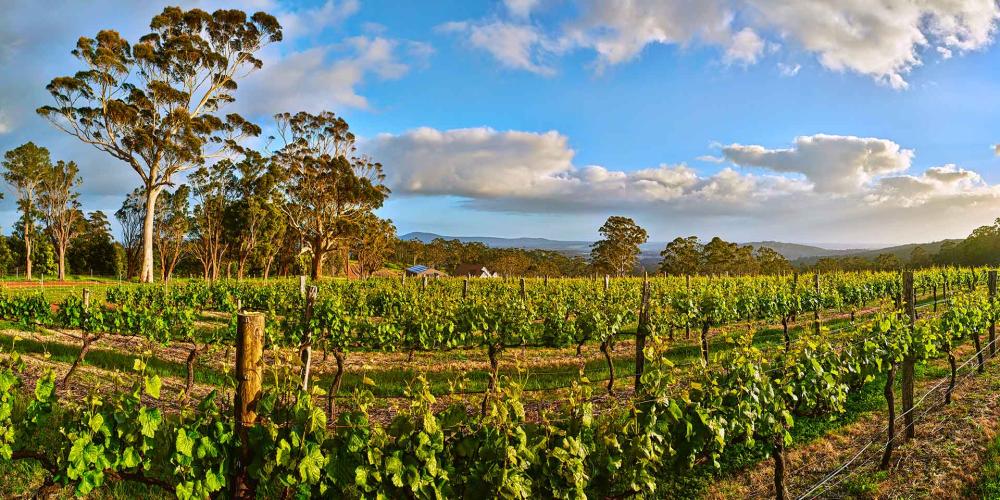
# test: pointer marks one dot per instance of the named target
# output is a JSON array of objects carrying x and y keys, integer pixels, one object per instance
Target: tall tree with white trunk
[{"x": 156, "y": 104}]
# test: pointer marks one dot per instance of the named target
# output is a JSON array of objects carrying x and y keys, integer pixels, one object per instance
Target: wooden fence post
[
  {"x": 423, "y": 283},
  {"x": 465, "y": 288},
  {"x": 86, "y": 298},
  {"x": 607, "y": 282},
  {"x": 249, "y": 376},
  {"x": 523, "y": 293},
  {"x": 991, "y": 282},
  {"x": 306, "y": 347},
  {"x": 302, "y": 286},
  {"x": 909, "y": 362}
]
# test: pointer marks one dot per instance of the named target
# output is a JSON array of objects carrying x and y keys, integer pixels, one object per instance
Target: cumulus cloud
[
  {"x": 884, "y": 40},
  {"x": 521, "y": 8},
  {"x": 327, "y": 76},
  {"x": 826, "y": 186},
  {"x": 789, "y": 70},
  {"x": 526, "y": 171},
  {"x": 746, "y": 47},
  {"x": 833, "y": 163},
  {"x": 515, "y": 45}
]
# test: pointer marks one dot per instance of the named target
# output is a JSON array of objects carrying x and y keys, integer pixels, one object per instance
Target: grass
[{"x": 989, "y": 475}]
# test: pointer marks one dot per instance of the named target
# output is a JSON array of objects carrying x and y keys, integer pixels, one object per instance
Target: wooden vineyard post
[
  {"x": 991, "y": 283},
  {"x": 524, "y": 294},
  {"x": 640, "y": 338},
  {"x": 306, "y": 347},
  {"x": 545, "y": 281},
  {"x": 86, "y": 299},
  {"x": 816, "y": 306},
  {"x": 423, "y": 283},
  {"x": 607, "y": 282},
  {"x": 249, "y": 376},
  {"x": 909, "y": 361},
  {"x": 302, "y": 286},
  {"x": 465, "y": 288}
]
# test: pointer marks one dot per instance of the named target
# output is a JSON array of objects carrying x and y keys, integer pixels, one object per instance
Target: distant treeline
[{"x": 981, "y": 248}]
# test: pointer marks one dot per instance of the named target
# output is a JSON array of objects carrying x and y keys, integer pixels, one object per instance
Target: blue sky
[{"x": 814, "y": 121}]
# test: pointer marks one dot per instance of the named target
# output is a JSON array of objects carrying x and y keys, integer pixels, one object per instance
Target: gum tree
[
  {"x": 59, "y": 207},
  {"x": 156, "y": 104},
  {"x": 328, "y": 189},
  {"x": 24, "y": 169}
]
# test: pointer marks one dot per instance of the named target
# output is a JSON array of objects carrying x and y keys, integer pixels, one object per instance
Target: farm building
[
  {"x": 474, "y": 271},
  {"x": 420, "y": 270}
]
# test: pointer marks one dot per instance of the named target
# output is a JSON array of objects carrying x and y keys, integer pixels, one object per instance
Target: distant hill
[
  {"x": 650, "y": 250},
  {"x": 574, "y": 247},
  {"x": 901, "y": 251},
  {"x": 649, "y": 257},
  {"x": 793, "y": 251}
]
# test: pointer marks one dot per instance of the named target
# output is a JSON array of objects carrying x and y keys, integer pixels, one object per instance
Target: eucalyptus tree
[
  {"x": 253, "y": 216},
  {"x": 172, "y": 226},
  {"x": 130, "y": 217},
  {"x": 93, "y": 249},
  {"x": 618, "y": 250},
  {"x": 374, "y": 243},
  {"x": 24, "y": 169},
  {"x": 59, "y": 204},
  {"x": 156, "y": 104},
  {"x": 682, "y": 256},
  {"x": 328, "y": 189},
  {"x": 213, "y": 189}
]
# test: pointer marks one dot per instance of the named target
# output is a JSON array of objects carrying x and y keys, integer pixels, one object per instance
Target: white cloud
[
  {"x": 879, "y": 39},
  {"x": 521, "y": 8},
  {"x": 308, "y": 22},
  {"x": 833, "y": 163},
  {"x": 619, "y": 31},
  {"x": 884, "y": 40},
  {"x": 746, "y": 47},
  {"x": 517, "y": 46},
  {"x": 789, "y": 70},
  {"x": 528, "y": 171},
  {"x": 535, "y": 173}
]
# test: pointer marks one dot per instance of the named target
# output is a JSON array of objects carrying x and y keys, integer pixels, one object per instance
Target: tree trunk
[
  {"x": 778, "y": 453},
  {"x": 335, "y": 384},
  {"x": 88, "y": 340},
  {"x": 146, "y": 272},
  {"x": 979, "y": 350},
  {"x": 192, "y": 355},
  {"x": 61, "y": 261},
  {"x": 493, "y": 352},
  {"x": 347, "y": 263},
  {"x": 317, "y": 263},
  {"x": 27, "y": 253},
  {"x": 606, "y": 350},
  {"x": 267, "y": 267},
  {"x": 951, "y": 383}
]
